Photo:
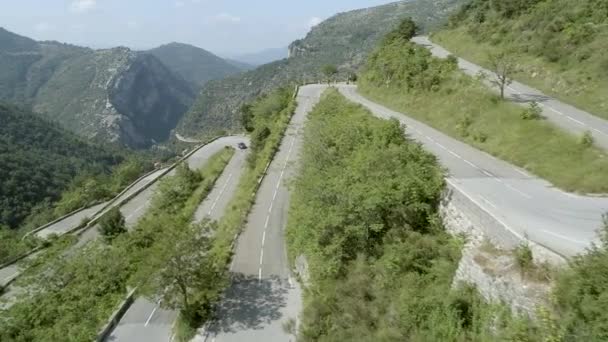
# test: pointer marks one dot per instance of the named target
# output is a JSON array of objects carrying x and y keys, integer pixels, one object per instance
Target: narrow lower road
[
  {"x": 263, "y": 294},
  {"x": 530, "y": 206},
  {"x": 145, "y": 320},
  {"x": 563, "y": 115},
  {"x": 133, "y": 210}
]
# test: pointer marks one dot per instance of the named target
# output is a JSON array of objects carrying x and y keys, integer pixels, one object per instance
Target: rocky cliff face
[{"x": 113, "y": 95}]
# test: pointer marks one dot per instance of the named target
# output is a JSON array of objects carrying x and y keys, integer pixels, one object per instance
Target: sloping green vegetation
[
  {"x": 364, "y": 213},
  {"x": 558, "y": 45},
  {"x": 580, "y": 295},
  {"x": 343, "y": 40},
  {"x": 406, "y": 78},
  {"x": 75, "y": 293},
  {"x": 39, "y": 160},
  {"x": 194, "y": 64}
]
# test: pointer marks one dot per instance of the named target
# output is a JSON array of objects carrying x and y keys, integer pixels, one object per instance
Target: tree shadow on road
[
  {"x": 251, "y": 303},
  {"x": 525, "y": 98}
]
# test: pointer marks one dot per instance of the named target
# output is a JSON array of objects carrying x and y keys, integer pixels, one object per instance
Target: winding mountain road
[
  {"x": 131, "y": 210},
  {"x": 263, "y": 294},
  {"x": 567, "y": 117},
  {"x": 145, "y": 320},
  {"x": 529, "y": 206}
]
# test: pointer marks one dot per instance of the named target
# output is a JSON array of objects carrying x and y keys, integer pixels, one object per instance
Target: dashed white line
[
  {"x": 220, "y": 195},
  {"x": 488, "y": 202},
  {"x": 522, "y": 172},
  {"x": 150, "y": 317},
  {"x": 267, "y": 220},
  {"x": 518, "y": 191}
]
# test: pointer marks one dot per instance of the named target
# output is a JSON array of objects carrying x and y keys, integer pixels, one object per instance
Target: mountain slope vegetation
[
  {"x": 113, "y": 95},
  {"x": 558, "y": 45},
  {"x": 38, "y": 160},
  {"x": 194, "y": 64},
  {"x": 343, "y": 40}
]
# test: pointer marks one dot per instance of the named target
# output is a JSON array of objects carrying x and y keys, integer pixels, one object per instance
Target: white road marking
[
  {"x": 150, "y": 317},
  {"x": 260, "y": 274},
  {"x": 522, "y": 172},
  {"x": 518, "y": 191},
  {"x": 564, "y": 237},
  {"x": 263, "y": 239},
  {"x": 488, "y": 174},
  {"x": 262, "y": 258},
  {"x": 267, "y": 220},
  {"x": 488, "y": 201},
  {"x": 220, "y": 194}
]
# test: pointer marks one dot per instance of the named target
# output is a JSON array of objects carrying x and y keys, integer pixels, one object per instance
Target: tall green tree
[
  {"x": 503, "y": 66},
  {"x": 112, "y": 224},
  {"x": 406, "y": 30},
  {"x": 329, "y": 71},
  {"x": 181, "y": 271}
]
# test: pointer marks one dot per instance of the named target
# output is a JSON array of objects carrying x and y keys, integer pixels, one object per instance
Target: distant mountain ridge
[
  {"x": 344, "y": 40},
  {"x": 195, "y": 65},
  {"x": 114, "y": 95},
  {"x": 263, "y": 57}
]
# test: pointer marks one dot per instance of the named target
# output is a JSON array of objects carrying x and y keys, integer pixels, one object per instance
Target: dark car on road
[{"x": 242, "y": 146}]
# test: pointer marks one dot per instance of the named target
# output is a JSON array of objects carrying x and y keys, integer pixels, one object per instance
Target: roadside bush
[
  {"x": 532, "y": 112},
  {"x": 462, "y": 127},
  {"x": 587, "y": 139},
  {"x": 112, "y": 224},
  {"x": 524, "y": 257}
]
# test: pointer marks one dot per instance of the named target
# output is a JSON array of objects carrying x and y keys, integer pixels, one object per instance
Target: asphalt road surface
[
  {"x": 145, "y": 320},
  {"x": 563, "y": 115},
  {"x": 563, "y": 222},
  {"x": 263, "y": 294}
]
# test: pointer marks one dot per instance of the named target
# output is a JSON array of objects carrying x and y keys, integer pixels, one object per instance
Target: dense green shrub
[{"x": 364, "y": 212}]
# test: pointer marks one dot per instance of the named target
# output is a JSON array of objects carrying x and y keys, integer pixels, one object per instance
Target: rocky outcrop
[
  {"x": 490, "y": 266},
  {"x": 150, "y": 99}
]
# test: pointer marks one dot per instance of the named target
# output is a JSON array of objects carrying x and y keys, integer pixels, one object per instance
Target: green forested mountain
[
  {"x": 559, "y": 45},
  {"x": 194, "y": 64},
  {"x": 38, "y": 160},
  {"x": 114, "y": 95},
  {"x": 343, "y": 40}
]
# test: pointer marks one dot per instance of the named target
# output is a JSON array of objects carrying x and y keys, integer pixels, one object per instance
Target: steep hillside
[
  {"x": 559, "y": 45},
  {"x": 194, "y": 64},
  {"x": 115, "y": 95},
  {"x": 343, "y": 40},
  {"x": 38, "y": 160}
]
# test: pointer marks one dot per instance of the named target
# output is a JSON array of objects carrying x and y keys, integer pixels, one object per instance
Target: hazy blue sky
[{"x": 223, "y": 26}]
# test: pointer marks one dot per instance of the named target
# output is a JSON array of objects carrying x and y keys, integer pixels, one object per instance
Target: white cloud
[
  {"x": 43, "y": 27},
  {"x": 82, "y": 6},
  {"x": 179, "y": 4},
  {"x": 227, "y": 18},
  {"x": 314, "y": 21}
]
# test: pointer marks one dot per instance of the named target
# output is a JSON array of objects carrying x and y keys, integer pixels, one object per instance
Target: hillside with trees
[
  {"x": 39, "y": 160},
  {"x": 343, "y": 40},
  {"x": 558, "y": 45}
]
